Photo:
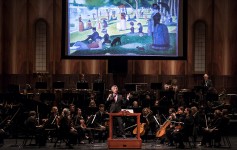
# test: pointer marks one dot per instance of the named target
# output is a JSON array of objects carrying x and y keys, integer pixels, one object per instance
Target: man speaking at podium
[{"x": 116, "y": 101}]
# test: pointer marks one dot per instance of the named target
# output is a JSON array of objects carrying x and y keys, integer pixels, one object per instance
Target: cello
[
  {"x": 142, "y": 129},
  {"x": 162, "y": 131},
  {"x": 146, "y": 112}
]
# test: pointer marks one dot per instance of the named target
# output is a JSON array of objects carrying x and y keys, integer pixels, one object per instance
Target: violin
[
  {"x": 178, "y": 127},
  {"x": 82, "y": 124}
]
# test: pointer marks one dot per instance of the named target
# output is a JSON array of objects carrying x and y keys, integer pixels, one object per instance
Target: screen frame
[{"x": 64, "y": 40}]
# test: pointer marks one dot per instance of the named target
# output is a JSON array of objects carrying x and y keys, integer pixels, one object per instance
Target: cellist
[
  {"x": 148, "y": 123},
  {"x": 176, "y": 119}
]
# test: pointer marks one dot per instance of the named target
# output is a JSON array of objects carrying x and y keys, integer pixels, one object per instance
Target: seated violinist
[
  {"x": 212, "y": 131},
  {"x": 82, "y": 131},
  {"x": 66, "y": 130},
  {"x": 33, "y": 128},
  {"x": 52, "y": 121}
]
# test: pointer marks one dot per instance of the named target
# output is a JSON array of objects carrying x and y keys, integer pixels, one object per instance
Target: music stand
[
  {"x": 156, "y": 86},
  {"x": 137, "y": 110},
  {"x": 58, "y": 85},
  {"x": 41, "y": 85},
  {"x": 99, "y": 87},
  {"x": 198, "y": 88},
  {"x": 130, "y": 87},
  {"x": 13, "y": 88},
  {"x": 82, "y": 85}
]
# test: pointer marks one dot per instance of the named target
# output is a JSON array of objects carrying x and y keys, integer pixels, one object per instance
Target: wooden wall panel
[
  {"x": 59, "y": 65},
  {"x": 146, "y": 67},
  {"x": 93, "y": 66},
  {"x": 42, "y": 9},
  {"x": 1, "y": 16},
  {"x": 17, "y": 44},
  {"x": 173, "y": 67},
  {"x": 224, "y": 57},
  {"x": 15, "y": 36},
  {"x": 199, "y": 10},
  {"x": 220, "y": 35}
]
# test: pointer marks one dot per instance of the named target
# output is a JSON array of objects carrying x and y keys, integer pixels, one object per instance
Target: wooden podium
[{"x": 128, "y": 142}]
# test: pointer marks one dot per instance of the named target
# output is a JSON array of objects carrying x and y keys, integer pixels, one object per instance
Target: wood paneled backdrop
[{"x": 17, "y": 47}]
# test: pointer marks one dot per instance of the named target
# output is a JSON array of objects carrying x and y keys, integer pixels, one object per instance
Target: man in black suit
[
  {"x": 116, "y": 102},
  {"x": 100, "y": 121},
  {"x": 209, "y": 92},
  {"x": 207, "y": 83}
]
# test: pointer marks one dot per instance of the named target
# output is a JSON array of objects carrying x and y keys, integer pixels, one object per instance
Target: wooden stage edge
[{"x": 124, "y": 143}]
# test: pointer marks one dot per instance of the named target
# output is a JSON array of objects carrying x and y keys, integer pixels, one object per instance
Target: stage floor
[{"x": 150, "y": 145}]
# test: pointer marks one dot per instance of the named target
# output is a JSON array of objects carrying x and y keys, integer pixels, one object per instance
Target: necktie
[{"x": 115, "y": 97}]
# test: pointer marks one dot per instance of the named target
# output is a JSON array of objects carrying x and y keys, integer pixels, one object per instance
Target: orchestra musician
[
  {"x": 171, "y": 85},
  {"x": 82, "y": 131},
  {"x": 196, "y": 123},
  {"x": 66, "y": 130},
  {"x": 148, "y": 123},
  {"x": 3, "y": 125},
  {"x": 33, "y": 128},
  {"x": 212, "y": 130},
  {"x": 72, "y": 110},
  {"x": 185, "y": 129},
  {"x": 116, "y": 102},
  {"x": 206, "y": 83},
  {"x": 82, "y": 79},
  {"x": 171, "y": 91},
  {"x": 174, "y": 117},
  {"x": 99, "y": 79},
  {"x": 100, "y": 121},
  {"x": 52, "y": 121}
]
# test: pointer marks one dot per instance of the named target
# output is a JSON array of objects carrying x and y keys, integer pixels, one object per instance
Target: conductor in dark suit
[{"x": 116, "y": 102}]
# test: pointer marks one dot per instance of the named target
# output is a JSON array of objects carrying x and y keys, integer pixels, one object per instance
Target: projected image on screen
[{"x": 123, "y": 28}]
